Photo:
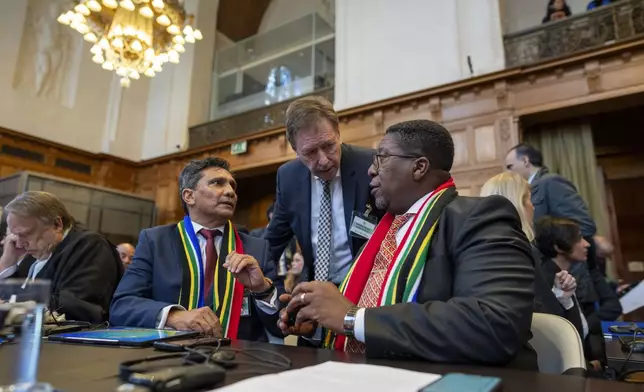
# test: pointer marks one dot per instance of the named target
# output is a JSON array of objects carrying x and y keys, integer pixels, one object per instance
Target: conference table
[
  {"x": 89, "y": 368},
  {"x": 617, "y": 357}
]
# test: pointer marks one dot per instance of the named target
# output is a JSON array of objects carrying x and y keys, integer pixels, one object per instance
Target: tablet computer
[{"x": 121, "y": 336}]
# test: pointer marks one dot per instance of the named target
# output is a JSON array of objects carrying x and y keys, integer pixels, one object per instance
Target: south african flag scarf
[
  {"x": 406, "y": 270},
  {"x": 227, "y": 294}
]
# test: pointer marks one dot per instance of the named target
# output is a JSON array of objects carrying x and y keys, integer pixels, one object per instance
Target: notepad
[
  {"x": 633, "y": 300},
  {"x": 336, "y": 377}
]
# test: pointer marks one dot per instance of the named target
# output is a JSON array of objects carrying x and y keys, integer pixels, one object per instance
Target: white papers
[
  {"x": 633, "y": 300},
  {"x": 337, "y": 377}
]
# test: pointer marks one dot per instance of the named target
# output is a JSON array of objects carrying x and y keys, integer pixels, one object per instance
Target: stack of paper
[
  {"x": 633, "y": 300},
  {"x": 336, "y": 377}
]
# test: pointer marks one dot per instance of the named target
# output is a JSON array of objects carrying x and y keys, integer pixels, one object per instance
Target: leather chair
[{"x": 558, "y": 345}]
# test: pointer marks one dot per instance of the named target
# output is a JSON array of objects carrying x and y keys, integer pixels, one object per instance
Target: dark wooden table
[
  {"x": 616, "y": 357},
  {"x": 85, "y": 368}
]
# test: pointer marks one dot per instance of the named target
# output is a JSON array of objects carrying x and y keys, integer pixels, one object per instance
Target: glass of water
[{"x": 22, "y": 308}]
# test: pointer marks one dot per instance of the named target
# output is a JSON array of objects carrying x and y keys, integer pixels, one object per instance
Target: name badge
[
  {"x": 245, "y": 310},
  {"x": 362, "y": 225}
]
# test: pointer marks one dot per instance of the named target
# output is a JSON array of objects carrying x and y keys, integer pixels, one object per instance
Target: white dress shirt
[
  {"x": 568, "y": 303},
  {"x": 358, "y": 329},
  {"x": 531, "y": 178},
  {"x": 268, "y": 307},
  {"x": 7, "y": 272},
  {"x": 341, "y": 257}
]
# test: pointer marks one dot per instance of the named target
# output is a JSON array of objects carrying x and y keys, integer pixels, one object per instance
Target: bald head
[{"x": 126, "y": 252}]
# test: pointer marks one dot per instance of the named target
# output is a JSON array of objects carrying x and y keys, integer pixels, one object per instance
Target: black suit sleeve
[
  {"x": 279, "y": 232},
  {"x": 564, "y": 201},
  {"x": 488, "y": 318},
  {"x": 269, "y": 268},
  {"x": 88, "y": 281},
  {"x": 609, "y": 307}
]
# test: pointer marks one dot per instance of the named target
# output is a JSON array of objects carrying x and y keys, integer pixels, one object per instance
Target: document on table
[
  {"x": 634, "y": 299},
  {"x": 337, "y": 377}
]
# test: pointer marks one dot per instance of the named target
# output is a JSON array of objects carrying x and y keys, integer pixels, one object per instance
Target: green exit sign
[{"x": 239, "y": 147}]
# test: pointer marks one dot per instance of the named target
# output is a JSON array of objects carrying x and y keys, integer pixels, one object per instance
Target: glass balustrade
[{"x": 290, "y": 61}]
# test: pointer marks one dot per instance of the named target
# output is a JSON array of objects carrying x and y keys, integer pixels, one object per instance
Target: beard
[{"x": 381, "y": 203}]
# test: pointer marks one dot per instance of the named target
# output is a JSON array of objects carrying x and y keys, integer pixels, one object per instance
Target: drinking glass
[{"x": 22, "y": 306}]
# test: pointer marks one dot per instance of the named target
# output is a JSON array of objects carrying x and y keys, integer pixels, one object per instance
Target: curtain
[{"x": 568, "y": 150}]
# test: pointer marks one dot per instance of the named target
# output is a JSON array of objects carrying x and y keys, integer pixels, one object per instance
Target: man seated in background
[
  {"x": 126, "y": 252},
  {"x": 43, "y": 242},
  {"x": 200, "y": 274},
  {"x": 561, "y": 242},
  {"x": 443, "y": 278}
]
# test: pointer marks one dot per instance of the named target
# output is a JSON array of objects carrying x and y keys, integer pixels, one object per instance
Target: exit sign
[{"x": 239, "y": 148}]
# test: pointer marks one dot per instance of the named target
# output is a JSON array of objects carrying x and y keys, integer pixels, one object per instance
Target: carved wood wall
[
  {"x": 482, "y": 113},
  {"x": 20, "y": 152}
]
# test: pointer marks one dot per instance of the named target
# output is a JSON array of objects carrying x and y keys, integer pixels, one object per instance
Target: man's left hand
[
  {"x": 321, "y": 302},
  {"x": 247, "y": 272}
]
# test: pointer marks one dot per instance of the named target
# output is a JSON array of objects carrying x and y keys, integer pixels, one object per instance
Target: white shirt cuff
[
  {"x": 358, "y": 327},
  {"x": 270, "y": 306},
  {"x": 8, "y": 272},
  {"x": 162, "y": 317},
  {"x": 566, "y": 302}
]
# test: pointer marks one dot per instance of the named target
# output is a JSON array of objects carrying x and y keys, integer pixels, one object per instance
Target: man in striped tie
[{"x": 443, "y": 278}]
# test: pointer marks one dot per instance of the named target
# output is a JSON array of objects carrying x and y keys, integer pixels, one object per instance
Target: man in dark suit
[
  {"x": 200, "y": 274},
  {"x": 552, "y": 194},
  {"x": 318, "y": 193},
  {"x": 443, "y": 278},
  {"x": 43, "y": 242}
]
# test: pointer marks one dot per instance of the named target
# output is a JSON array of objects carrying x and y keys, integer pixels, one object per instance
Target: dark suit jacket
[
  {"x": 84, "y": 271},
  {"x": 475, "y": 299},
  {"x": 594, "y": 345},
  {"x": 547, "y": 269},
  {"x": 292, "y": 213},
  {"x": 552, "y": 194},
  {"x": 153, "y": 281},
  {"x": 545, "y": 300}
]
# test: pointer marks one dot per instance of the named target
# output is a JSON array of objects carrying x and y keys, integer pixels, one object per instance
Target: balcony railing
[
  {"x": 606, "y": 25},
  {"x": 244, "y": 124}
]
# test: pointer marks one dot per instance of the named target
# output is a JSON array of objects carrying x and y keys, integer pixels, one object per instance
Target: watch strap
[
  {"x": 266, "y": 292},
  {"x": 350, "y": 321}
]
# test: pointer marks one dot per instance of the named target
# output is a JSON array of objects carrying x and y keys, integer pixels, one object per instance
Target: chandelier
[{"x": 133, "y": 37}]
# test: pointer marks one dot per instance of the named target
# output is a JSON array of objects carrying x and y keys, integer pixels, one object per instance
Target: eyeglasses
[{"x": 378, "y": 158}]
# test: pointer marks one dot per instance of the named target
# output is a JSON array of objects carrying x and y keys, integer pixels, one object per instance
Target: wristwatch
[
  {"x": 350, "y": 321},
  {"x": 266, "y": 292}
]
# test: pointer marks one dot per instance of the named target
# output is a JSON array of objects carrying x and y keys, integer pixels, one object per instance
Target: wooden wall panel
[
  {"x": 481, "y": 112},
  {"x": 19, "y": 152},
  {"x": 461, "y": 148}
]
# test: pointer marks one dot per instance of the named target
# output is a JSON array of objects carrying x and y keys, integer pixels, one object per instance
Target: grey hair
[
  {"x": 42, "y": 205},
  {"x": 191, "y": 174},
  {"x": 306, "y": 112}
]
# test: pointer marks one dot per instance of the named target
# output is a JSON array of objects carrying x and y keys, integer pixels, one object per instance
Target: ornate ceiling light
[{"x": 133, "y": 37}]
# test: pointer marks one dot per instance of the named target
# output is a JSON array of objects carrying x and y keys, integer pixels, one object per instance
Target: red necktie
[
  {"x": 211, "y": 259},
  {"x": 371, "y": 292}
]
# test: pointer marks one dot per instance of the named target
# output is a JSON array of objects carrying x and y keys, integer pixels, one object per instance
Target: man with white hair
[{"x": 43, "y": 242}]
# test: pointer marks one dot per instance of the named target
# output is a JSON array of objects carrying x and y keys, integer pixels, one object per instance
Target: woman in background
[
  {"x": 516, "y": 189},
  {"x": 560, "y": 240},
  {"x": 557, "y": 9}
]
